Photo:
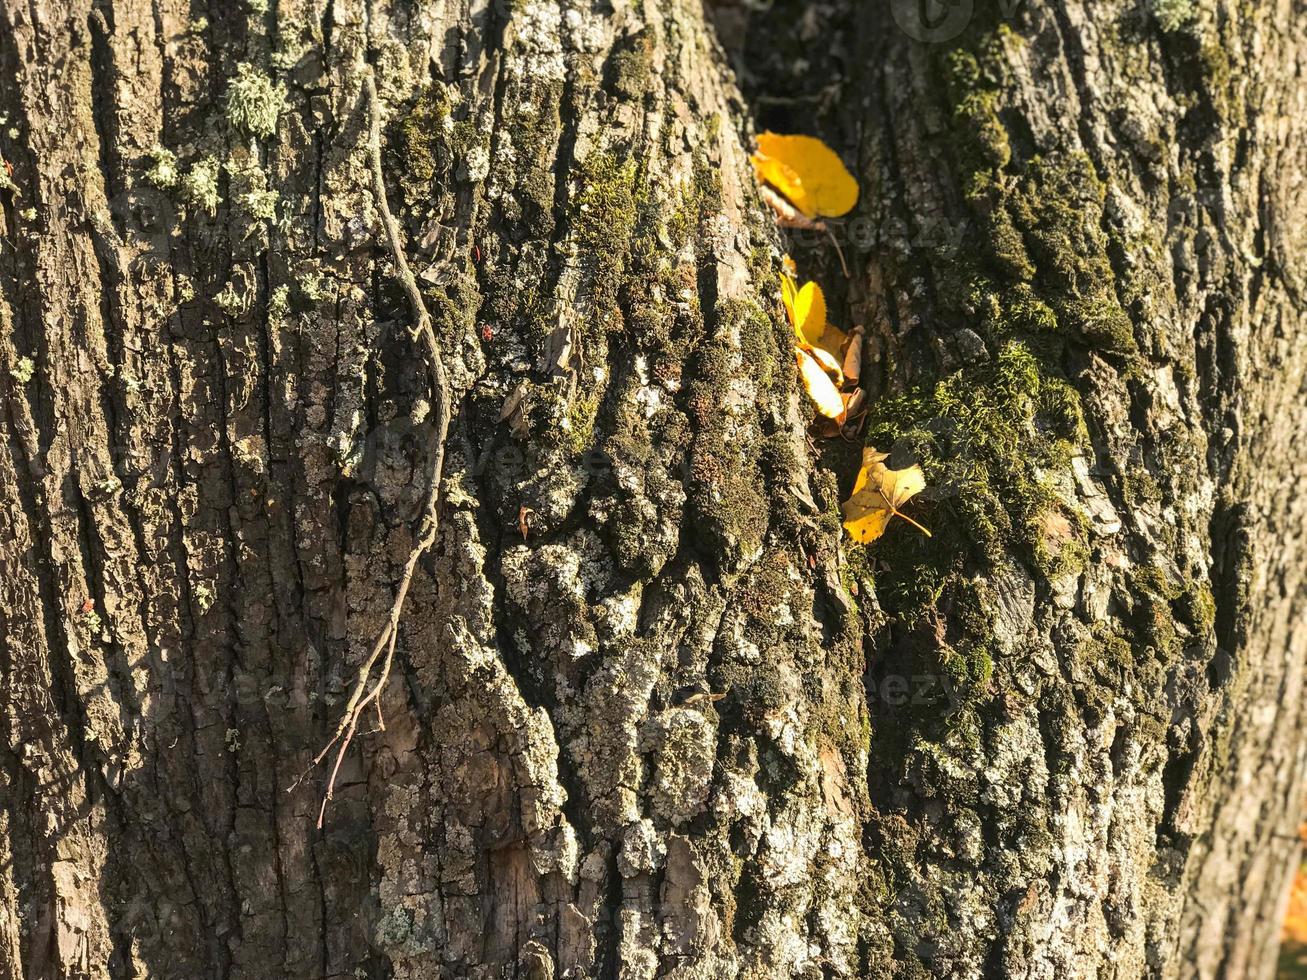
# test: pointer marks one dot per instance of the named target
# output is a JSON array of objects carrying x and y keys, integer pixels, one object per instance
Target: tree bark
[{"x": 651, "y": 715}]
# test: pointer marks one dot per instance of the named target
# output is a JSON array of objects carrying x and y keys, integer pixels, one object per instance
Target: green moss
[
  {"x": 758, "y": 593},
  {"x": 464, "y": 137},
  {"x": 978, "y": 134},
  {"x": 726, "y": 495},
  {"x": 420, "y": 142},
  {"x": 698, "y": 201},
  {"x": 629, "y": 444},
  {"x": 1140, "y": 486},
  {"x": 581, "y": 416},
  {"x": 1152, "y": 580},
  {"x": 1215, "y": 63},
  {"x": 636, "y": 285},
  {"x": 1115, "y": 659},
  {"x": 978, "y": 112},
  {"x": 857, "y": 564},
  {"x": 1035, "y": 278},
  {"x": 537, "y": 128},
  {"x": 1058, "y": 205},
  {"x": 630, "y": 65},
  {"x": 965, "y": 658},
  {"x": 758, "y": 344},
  {"x": 608, "y": 203},
  {"x": 1198, "y": 607},
  {"x": 1059, "y": 541},
  {"x": 562, "y": 418},
  {"x": 514, "y": 300},
  {"x": 614, "y": 231},
  {"x": 455, "y": 306},
  {"x": 1038, "y": 245},
  {"x": 1059, "y": 409},
  {"x": 1153, "y": 616},
  {"x": 1011, "y": 313},
  {"x": 985, "y": 437}
]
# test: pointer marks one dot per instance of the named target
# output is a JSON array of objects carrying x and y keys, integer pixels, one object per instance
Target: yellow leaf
[
  {"x": 819, "y": 387},
  {"x": 807, "y": 172},
  {"x": 828, "y": 363},
  {"x": 832, "y": 341},
  {"x": 806, "y": 307},
  {"x": 878, "y": 494}
]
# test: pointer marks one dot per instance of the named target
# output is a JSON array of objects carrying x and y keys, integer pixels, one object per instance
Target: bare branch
[{"x": 367, "y": 687}]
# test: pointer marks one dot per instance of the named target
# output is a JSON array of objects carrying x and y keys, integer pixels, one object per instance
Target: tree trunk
[{"x": 650, "y": 713}]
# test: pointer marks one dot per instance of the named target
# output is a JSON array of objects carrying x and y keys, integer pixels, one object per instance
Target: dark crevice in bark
[
  {"x": 266, "y": 373},
  {"x": 104, "y": 76},
  {"x": 1230, "y": 571},
  {"x": 119, "y": 686}
]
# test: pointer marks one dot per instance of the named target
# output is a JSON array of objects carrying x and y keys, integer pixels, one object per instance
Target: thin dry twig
[
  {"x": 788, "y": 216},
  {"x": 367, "y": 687}
]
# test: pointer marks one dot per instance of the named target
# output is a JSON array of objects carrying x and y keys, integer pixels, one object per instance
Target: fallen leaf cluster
[
  {"x": 829, "y": 359},
  {"x": 803, "y": 180}
]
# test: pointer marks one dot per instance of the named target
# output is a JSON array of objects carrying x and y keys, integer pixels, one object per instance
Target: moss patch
[
  {"x": 421, "y": 147},
  {"x": 727, "y": 499},
  {"x": 987, "y": 438},
  {"x": 1040, "y": 258},
  {"x": 629, "y": 66}
]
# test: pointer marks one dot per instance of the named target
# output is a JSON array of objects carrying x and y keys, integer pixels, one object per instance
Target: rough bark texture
[{"x": 651, "y": 715}]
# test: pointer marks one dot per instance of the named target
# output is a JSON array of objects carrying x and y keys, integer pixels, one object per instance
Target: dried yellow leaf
[
  {"x": 878, "y": 493},
  {"x": 819, "y": 386},
  {"x": 808, "y": 172}
]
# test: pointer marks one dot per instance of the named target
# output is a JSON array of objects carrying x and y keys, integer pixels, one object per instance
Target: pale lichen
[
  {"x": 1172, "y": 14},
  {"x": 254, "y": 101},
  {"x": 163, "y": 171},
  {"x": 279, "y": 304},
  {"x": 231, "y": 302},
  {"x": 200, "y": 186},
  {"x": 255, "y": 203}
]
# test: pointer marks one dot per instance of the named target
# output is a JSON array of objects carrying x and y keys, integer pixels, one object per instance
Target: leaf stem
[{"x": 913, "y": 523}]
